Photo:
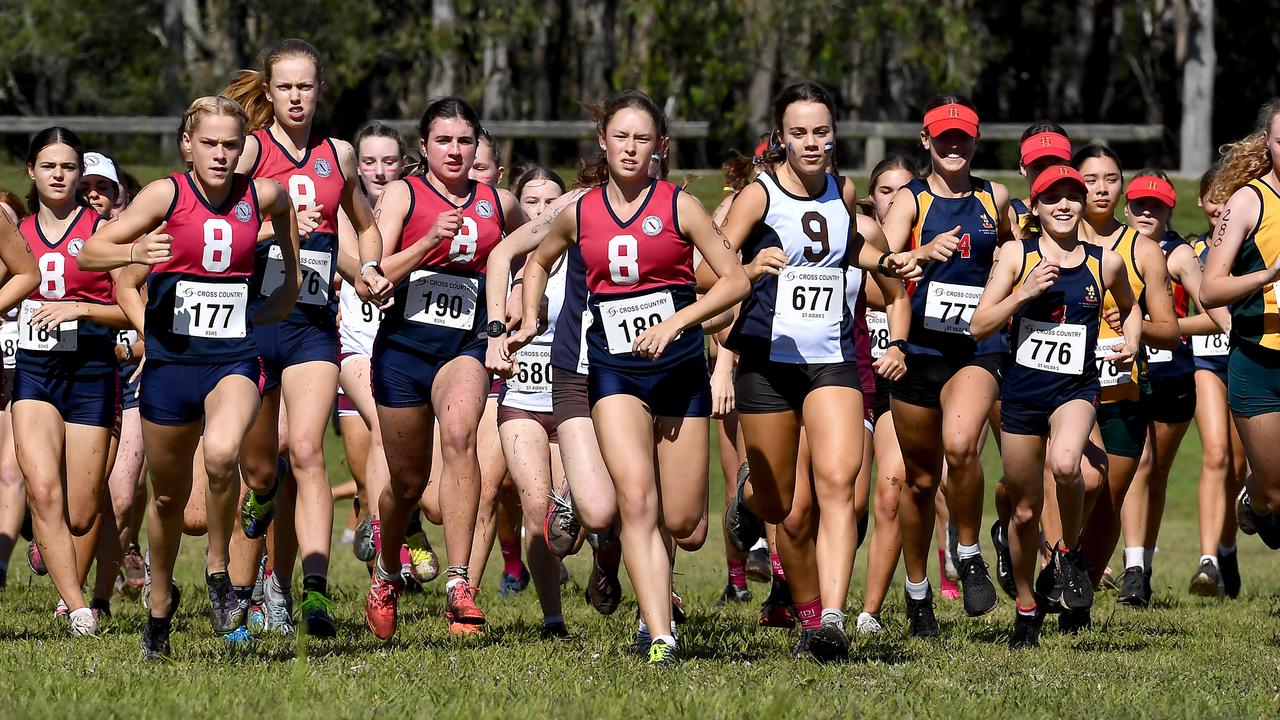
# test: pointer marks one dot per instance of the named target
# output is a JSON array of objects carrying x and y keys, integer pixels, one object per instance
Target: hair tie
[{"x": 757, "y": 159}]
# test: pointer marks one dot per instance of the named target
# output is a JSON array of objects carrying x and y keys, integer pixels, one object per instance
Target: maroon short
[
  {"x": 546, "y": 420},
  {"x": 345, "y": 406},
  {"x": 569, "y": 395}
]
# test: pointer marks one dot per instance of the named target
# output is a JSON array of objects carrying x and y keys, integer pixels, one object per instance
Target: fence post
[{"x": 874, "y": 153}]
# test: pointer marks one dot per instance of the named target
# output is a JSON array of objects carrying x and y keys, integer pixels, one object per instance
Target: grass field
[{"x": 1184, "y": 657}]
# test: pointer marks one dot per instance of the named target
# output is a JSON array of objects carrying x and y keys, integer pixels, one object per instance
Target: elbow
[
  {"x": 739, "y": 286},
  {"x": 981, "y": 330},
  {"x": 1163, "y": 336}
]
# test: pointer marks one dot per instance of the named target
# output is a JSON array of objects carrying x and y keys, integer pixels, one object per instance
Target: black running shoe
[
  {"x": 741, "y": 526},
  {"x": 801, "y": 649},
  {"x": 555, "y": 631},
  {"x": 225, "y": 611},
  {"x": 778, "y": 610},
  {"x": 1073, "y": 622},
  {"x": 663, "y": 654},
  {"x": 1229, "y": 564},
  {"x": 1077, "y": 590},
  {"x": 828, "y": 643},
  {"x": 1252, "y": 522},
  {"x": 604, "y": 591},
  {"x": 733, "y": 596},
  {"x": 1133, "y": 588},
  {"x": 758, "y": 567},
  {"x": 1026, "y": 630},
  {"x": 1048, "y": 591},
  {"x": 1207, "y": 581},
  {"x": 979, "y": 593},
  {"x": 920, "y": 619},
  {"x": 1004, "y": 562},
  {"x": 155, "y": 634}
]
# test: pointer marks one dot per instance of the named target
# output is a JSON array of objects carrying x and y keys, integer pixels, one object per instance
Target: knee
[
  {"x": 886, "y": 505},
  {"x": 169, "y": 503},
  {"x": 10, "y": 475},
  {"x": 406, "y": 490},
  {"x": 1065, "y": 469},
  {"x": 1216, "y": 457},
  {"x": 81, "y": 523},
  {"x": 594, "y": 516},
  {"x": 457, "y": 439},
  {"x": 835, "y": 487},
  {"x": 306, "y": 453},
  {"x": 690, "y": 536},
  {"x": 1025, "y": 512},
  {"x": 961, "y": 453},
  {"x": 220, "y": 457}
]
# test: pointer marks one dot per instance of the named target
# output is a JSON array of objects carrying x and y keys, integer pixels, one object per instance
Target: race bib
[
  {"x": 441, "y": 299},
  {"x": 1159, "y": 356},
  {"x": 625, "y": 320},
  {"x": 9, "y": 337},
  {"x": 878, "y": 329},
  {"x": 1108, "y": 374},
  {"x": 317, "y": 275},
  {"x": 1216, "y": 345},
  {"x": 126, "y": 337},
  {"x": 1052, "y": 347},
  {"x": 533, "y": 370},
  {"x": 210, "y": 310},
  {"x": 810, "y": 294},
  {"x": 64, "y": 338},
  {"x": 949, "y": 308}
]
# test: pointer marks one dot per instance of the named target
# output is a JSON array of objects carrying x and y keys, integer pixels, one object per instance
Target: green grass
[{"x": 1183, "y": 657}]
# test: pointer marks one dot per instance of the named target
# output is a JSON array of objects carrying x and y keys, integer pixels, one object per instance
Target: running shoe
[
  {"x": 255, "y": 620},
  {"x": 510, "y": 584},
  {"x": 555, "y": 631},
  {"x": 1133, "y": 588},
  {"x": 82, "y": 623},
  {"x": 424, "y": 564},
  {"x": 947, "y": 585},
  {"x": 869, "y": 624},
  {"x": 829, "y": 643},
  {"x": 35, "y": 560},
  {"x": 101, "y": 609},
  {"x": 778, "y": 609},
  {"x": 317, "y": 614},
  {"x": 951, "y": 561},
  {"x": 134, "y": 569},
  {"x": 1229, "y": 564},
  {"x": 225, "y": 612},
  {"x": 678, "y": 615},
  {"x": 604, "y": 590},
  {"x": 146, "y": 580},
  {"x": 801, "y": 649},
  {"x": 758, "y": 567},
  {"x": 256, "y": 514},
  {"x": 363, "y": 545},
  {"x": 920, "y": 619},
  {"x": 380, "y": 606},
  {"x": 979, "y": 593},
  {"x": 60, "y": 610},
  {"x": 1074, "y": 590},
  {"x": 278, "y": 601},
  {"x": 1048, "y": 589},
  {"x": 1074, "y": 622},
  {"x": 1207, "y": 581},
  {"x": 461, "y": 609},
  {"x": 741, "y": 526},
  {"x": 155, "y": 634},
  {"x": 563, "y": 533},
  {"x": 1004, "y": 562},
  {"x": 733, "y": 596},
  {"x": 663, "y": 654},
  {"x": 1026, "y": 631},
  {"x": 1252, "y": 522},
  {"x": 640, "y": 646}
]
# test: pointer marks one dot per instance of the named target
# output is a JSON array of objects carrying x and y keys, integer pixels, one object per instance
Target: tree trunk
[
  {"x": 444, "y": 28},
  {"x": 497, "y": 78},
  {"x": 765, "y": 73},
  {"x": 1198, "y": 66}
]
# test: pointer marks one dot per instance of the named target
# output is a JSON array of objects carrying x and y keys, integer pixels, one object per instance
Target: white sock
[
  {"x": 833, "y": 615},
  {"x": 761, "y": 543},
  {"x": 964, "y": 552},
  {"x": 1224, "y": 550},
  {"x": 1148, "y": 554},
  {"x": 644, "y": 628},
  {"x": 1134, "y": 557},
  {"x": 918, "y": 591},
  {"x": 668, "y": 639},
  {"x": 382, "y": 573},
  {"x": 453, "y": 581},
  {"x": 1209, "y": 558}
]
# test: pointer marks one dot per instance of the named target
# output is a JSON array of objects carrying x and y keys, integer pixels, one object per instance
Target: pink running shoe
[
  {"x": 380, "y": 607},
  {"x": 950, "y": 589}
]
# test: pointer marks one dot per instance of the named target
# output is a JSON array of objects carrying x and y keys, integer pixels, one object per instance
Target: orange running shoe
[
  {"x": 380, "y": 607},
  {"x": 461, "y": 608}
]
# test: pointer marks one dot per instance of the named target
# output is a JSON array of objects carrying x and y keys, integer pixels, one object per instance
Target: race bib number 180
[
  {"x": 625, "y": 320},
  {"x": 64, "y": 338}
]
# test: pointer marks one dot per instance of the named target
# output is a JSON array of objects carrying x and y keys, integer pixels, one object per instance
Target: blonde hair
[
  {"x": 1244, "y": 159},
  {"x": 246, "y": 87},
  {"x": 215, "y": 105}
]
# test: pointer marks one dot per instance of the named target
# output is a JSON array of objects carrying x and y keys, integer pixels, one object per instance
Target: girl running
[
  {"x": 440, "y": 227},
  {"x": 13, "y": 500},
  {"x": 193, "y": 237},
  {"x": 648, "y": 384},
  {"x": 950, "y": 222},
  {"x": 1048, "y": 288},
  {"x": 65, "y": 390},
  {"x": 301, "y": 352}
]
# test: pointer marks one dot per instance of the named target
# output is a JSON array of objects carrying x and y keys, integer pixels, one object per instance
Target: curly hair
[{"x": 1244, "y": 159}]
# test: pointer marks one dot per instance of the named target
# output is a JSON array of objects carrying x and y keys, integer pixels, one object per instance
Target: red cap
[
  {"x": 1046, "y": 144},
  {"x": 762, "y": 147},
  {"x": 1152, "y": 187},
  {"x": 952, "y": 116},
  {"x": 1053, "y": 176}
]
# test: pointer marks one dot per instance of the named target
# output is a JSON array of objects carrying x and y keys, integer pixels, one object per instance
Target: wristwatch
[
  {"x": 899, "y": 343},
  {"x": 495, "y": 329},
  {"x": 376, "y": 267}
]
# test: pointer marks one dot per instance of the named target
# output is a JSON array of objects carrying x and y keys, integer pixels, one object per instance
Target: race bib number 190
[{"x": 441, "y": 299}]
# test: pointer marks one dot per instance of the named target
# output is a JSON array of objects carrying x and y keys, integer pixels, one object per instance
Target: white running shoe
[
  {"x": 83, "y": 623},
  {"x": 869, "y": 624},
  {"x": 279, "y": 606},
  {"x": 146, "y": 579}
]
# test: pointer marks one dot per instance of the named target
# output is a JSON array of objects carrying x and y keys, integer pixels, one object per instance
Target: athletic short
[
  {"x": 1253, "y": 381},
  {"x": 680, "y": 391},
  {"x": 765, "y": 386},
  {"x": 1032, "y": 418},
  {"x": 403, "y": 378},
  {"x": 344, "y": 356},
  {"x": 284, "y": 345},
  {"x": 506, "y": 413},
  {"x": 174, "y": 393},
  {"x": 1171, "y": 400},
  {"x": 882, "y": 400},
  {"x": 93, "y": 400},
  {"x": 927, "y": 374},
  {"x": 129, "y": 388},
  {"x": 569, "y": 396},
  {"x": 1220, "y": 373},
  {"x": 495, "y": 385},
  {"x": 346, "y": 408},
  {"x": 1124, "y": 427}
]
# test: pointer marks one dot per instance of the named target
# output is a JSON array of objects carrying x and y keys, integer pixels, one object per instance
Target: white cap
[{"x": 99, "y": 164}]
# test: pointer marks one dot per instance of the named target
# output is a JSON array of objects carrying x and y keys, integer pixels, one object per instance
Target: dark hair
[
  {"x": 737, "y": 172},
  {"x": 446, "y": 108},
  {"x": 131, "y": 187},
  {"x": 596, "y": 171},
  {"x": 1206, "y": 180},
  {"x": 1096, "y": 151},
  {"x": 377, "y": 128},
  {"x": 1151, "y": 172},
  {"x": 938, "y": 101},
  {"x": 536, "y": 172},
  {"x": 246, "y": 87},
  {"x": 892, "y": 161},
  {"x": 52, "y": 136},
  {"x": 487, "y": 137},
  {"x": 1043, "y": 126}
]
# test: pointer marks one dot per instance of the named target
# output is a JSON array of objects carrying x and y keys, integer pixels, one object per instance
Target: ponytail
[
  {"x": 1245, "y": 159},
  {"x": 247, "y": 89}
]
